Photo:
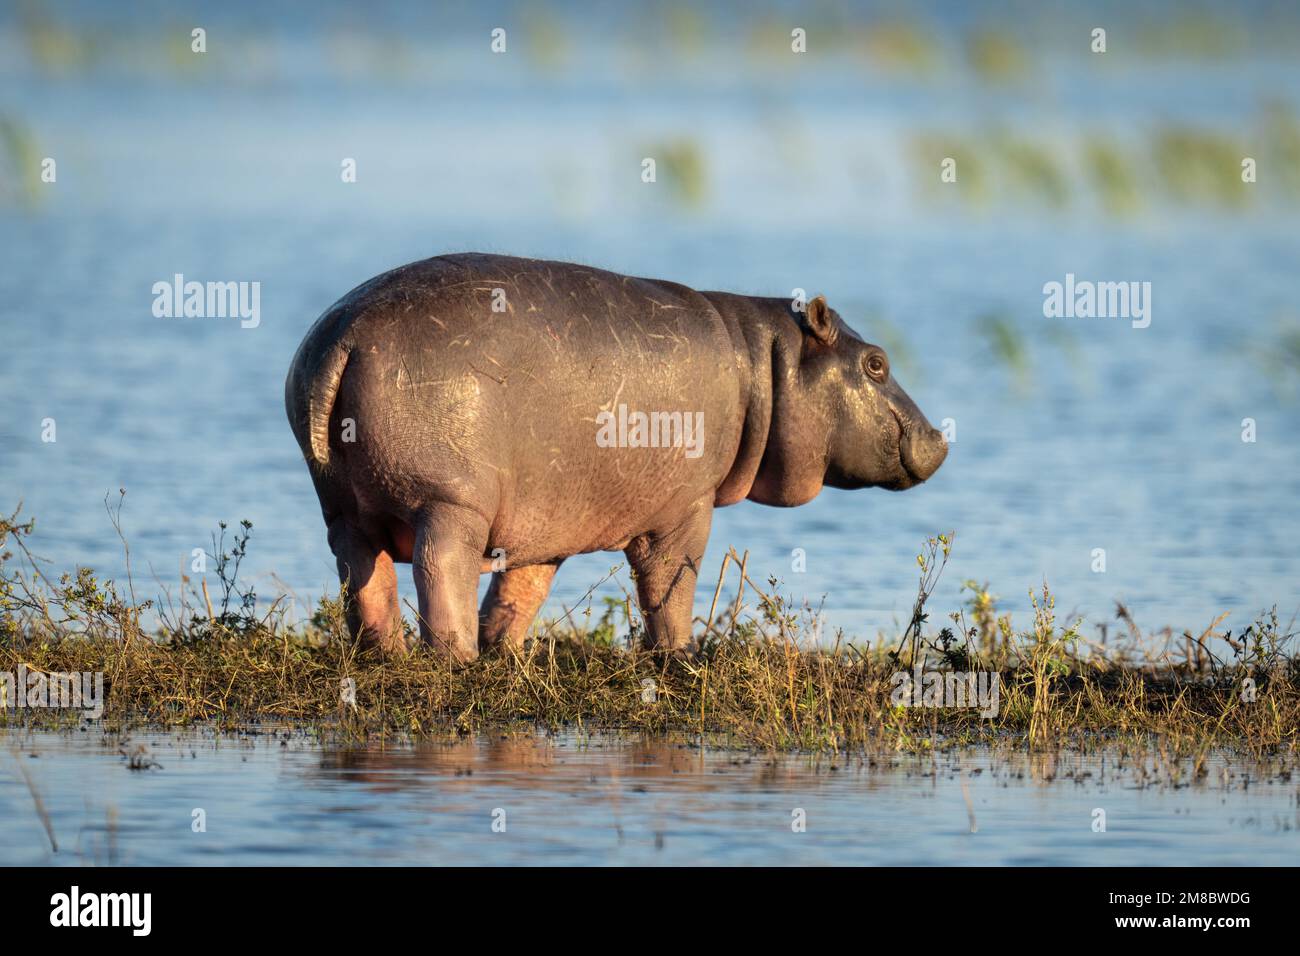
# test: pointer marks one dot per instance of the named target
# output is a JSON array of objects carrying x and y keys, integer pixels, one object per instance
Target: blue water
[
  {"x": 279, "y": 799},
  {"x": 1117, "y": 438}
]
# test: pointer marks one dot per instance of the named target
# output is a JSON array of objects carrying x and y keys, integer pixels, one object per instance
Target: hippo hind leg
[
  {"x": 666, "y": 564},
  {"x": 370, "y": 581},
  {"x": 512, "y": 601},
  {"x": 446, "y": 562}
]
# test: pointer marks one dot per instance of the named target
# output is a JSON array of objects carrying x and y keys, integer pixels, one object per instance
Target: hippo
[{"x": 477, "y": 413}]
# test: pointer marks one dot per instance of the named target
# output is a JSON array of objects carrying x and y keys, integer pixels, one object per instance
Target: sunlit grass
[{"x": 757, "y": 680}]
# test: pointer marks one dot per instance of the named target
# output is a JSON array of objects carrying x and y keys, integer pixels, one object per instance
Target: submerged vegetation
[
  {"x": 764, "y": 678},
  {"x": 1179, "y": 166}
]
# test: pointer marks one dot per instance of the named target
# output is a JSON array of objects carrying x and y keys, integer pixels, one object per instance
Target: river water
[{"x": 281, "y": 798}]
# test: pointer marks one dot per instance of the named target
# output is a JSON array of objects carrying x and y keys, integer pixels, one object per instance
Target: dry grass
[{"x": 756, "y": 681}]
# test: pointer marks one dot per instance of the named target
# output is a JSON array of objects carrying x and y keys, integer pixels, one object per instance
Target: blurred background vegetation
[{"x": 1013, "y": 92}]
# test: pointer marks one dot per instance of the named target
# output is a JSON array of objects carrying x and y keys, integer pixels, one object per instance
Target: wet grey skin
[{"x": 446, "y": 434}]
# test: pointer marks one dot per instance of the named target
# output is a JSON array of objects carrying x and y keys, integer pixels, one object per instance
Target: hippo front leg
[
  {"x": 448, "y": 554},
  {"x": 666, "y": 565},
  {"x": 512, "y": 601}
]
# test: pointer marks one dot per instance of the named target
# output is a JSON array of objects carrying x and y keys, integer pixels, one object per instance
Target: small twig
[
  {"x": 208, "y": 600},
  {"x": 740, "y": 590},
  {"x": 552, "y": 625},
  {"x": 722, "y": 574}
]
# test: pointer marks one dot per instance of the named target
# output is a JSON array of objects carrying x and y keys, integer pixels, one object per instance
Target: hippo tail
[{"x": 309, "y": 394}]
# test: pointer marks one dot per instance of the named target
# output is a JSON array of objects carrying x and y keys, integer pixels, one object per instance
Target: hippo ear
[{"x": 821, "y": 323}]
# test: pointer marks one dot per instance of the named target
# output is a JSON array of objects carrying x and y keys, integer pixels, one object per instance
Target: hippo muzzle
[{"x": 922, "y": 450}]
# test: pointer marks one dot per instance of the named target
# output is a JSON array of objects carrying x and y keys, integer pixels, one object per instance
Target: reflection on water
[{"x": 280, "y": 798}]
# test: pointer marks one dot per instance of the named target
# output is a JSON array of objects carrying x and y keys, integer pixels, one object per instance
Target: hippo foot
[
  {"x": 681, "y": 652},
  {"x": 458, "y": 651},
  {"x": 389, "y": 647}
]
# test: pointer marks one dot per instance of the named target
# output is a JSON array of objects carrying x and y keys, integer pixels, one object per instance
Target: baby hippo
[{"x": 474, "y": 413}]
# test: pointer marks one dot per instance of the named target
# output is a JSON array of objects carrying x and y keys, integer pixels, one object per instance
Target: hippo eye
[{"x": 876, "y": 366}]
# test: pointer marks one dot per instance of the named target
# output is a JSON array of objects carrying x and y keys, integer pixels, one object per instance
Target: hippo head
[{"x": 839, "y": 418}]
